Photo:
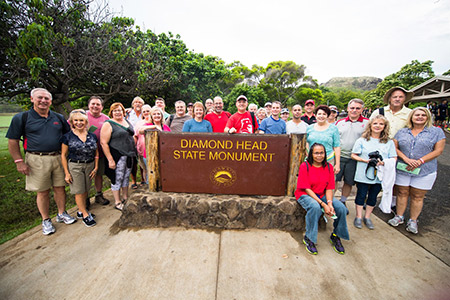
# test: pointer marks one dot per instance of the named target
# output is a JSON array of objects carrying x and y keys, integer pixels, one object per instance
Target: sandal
[
  {"x": 124, "y": 201},
  {"x": 134, "y": 186},
  {"x": 119, "y": 206}
]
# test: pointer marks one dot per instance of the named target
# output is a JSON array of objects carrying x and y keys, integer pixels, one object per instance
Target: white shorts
[{"x": 419, "y": 182}]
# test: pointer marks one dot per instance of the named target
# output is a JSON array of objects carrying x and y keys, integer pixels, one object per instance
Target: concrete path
[{"x": 105, "y": 263}]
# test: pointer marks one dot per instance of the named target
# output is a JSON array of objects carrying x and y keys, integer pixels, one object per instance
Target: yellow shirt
[{"x": 396, "y": 120}]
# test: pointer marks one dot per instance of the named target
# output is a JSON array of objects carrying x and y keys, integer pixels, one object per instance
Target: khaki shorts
[
  {"x": 81, "y": 183},
  {"x": 141, "y": 162},
  {"x": 45, "y": 172}
]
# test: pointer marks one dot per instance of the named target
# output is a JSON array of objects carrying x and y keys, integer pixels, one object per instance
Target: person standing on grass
[
  {"x": 96, "y": 119},
  {"x": 79, "y": 157},
  {"x": 41, "y": 130}
]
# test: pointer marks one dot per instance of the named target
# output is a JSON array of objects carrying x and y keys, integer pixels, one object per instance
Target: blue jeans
[
  {"x": 361, "y": 193},
  {"x": 313, "y": 213}
]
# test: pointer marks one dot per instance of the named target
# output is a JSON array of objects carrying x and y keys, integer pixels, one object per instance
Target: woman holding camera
[
  {"x": 418, "y": 146},
  {"x": 370, "y": 151}
]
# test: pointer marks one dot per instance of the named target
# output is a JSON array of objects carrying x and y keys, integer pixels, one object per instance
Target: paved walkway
[{"x": 105, "y": 263}]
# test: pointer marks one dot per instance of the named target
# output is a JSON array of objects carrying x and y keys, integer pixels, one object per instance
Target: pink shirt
[
  {"x": 97, "y": 122},
  {"x": 140, "y": 144}
]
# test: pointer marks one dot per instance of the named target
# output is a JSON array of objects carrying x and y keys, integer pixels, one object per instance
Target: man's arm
[{"x": 14, "y": 149}]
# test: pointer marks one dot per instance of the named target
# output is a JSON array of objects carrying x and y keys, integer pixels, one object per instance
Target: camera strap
[{"x": 374, "y": 172}]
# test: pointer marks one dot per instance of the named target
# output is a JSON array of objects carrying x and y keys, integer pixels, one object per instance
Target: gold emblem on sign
[{"x": 223, "y": 176}]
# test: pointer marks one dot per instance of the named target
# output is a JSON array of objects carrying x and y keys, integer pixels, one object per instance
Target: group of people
[
  {"x": 440, "y": 113},
  {"x": 394, "y": 151}
]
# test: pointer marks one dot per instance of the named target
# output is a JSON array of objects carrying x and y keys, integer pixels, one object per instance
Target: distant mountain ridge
[{"x": 365, "y": 83}]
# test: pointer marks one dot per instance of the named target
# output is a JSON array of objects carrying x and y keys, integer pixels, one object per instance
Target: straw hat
[{"x": 386, "y": 97}]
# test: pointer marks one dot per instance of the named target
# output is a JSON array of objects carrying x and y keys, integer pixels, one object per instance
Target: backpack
[{"x": 25, "y": 118}]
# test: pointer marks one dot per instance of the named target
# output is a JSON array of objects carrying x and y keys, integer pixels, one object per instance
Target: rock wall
[{"x": 158, "y": 209}]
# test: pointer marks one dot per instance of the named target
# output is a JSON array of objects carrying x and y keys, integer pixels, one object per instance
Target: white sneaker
[
  {"x": 47, "y": 227},
  {"x": 66, "y": 218}
]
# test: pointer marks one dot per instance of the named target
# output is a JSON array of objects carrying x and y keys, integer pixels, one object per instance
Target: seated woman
[
  {"x": 79, "y": 158},
  {"x": 197, "y": 124},
  {"x": 314, "y": 193},
  {"x": 326, "y": 134},
  {"x": 374, "y": 138},
  {"x": 417, "y": 164}
]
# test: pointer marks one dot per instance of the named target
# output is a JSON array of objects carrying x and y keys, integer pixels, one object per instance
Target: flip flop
[
  {"x": 119, "y": 206},
  {"x": 134, "y": 186}
]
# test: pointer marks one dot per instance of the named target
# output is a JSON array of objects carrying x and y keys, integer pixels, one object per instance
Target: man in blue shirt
[
  {"x": 41, "y": 130},
  {"x": 273, "y": 124}
]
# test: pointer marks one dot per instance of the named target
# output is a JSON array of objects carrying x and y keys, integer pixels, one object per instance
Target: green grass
[
  {"x": 5, "y": 120},
  {"x": 18, "y": 210}
]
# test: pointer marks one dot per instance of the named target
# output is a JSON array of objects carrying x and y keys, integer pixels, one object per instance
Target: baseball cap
[
  {"x": 285, "y": 110},
  {"x": 241, "y": 97},
  {"x": 267, "y": 104},
  {"x": 310, "y": 101},
  {"x": 190, "y": 104},
  {"x": 334, "y": 108}
]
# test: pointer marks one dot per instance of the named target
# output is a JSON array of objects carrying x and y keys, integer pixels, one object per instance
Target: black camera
[{"x": 374, "y": 157}]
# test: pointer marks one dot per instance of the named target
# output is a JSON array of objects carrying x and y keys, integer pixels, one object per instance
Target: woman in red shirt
[{"x": 314, "y": 193}]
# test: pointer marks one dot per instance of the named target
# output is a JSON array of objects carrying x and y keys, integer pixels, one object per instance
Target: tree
[
  {"x": 408, "y": 77},
  {"x": 254, "y": 95},
  {"x": 75, "y": 51},
  {"x": 303, "y": 93},
  {"x": 283, "y": 78}
]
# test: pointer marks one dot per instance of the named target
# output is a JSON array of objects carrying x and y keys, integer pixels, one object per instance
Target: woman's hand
[
  {"x": 68, "y": 178},
  {"x": 111, "y": 164},
  {"x": 412, "y": 163},
  {"x": 380, "y": 163},
  {"x": 93, "y": 173}
]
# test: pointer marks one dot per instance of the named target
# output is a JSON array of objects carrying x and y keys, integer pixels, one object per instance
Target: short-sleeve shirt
[
  {"x": 41, "y": 134},
  {"x": 363, "y": 147},
  {"x": 309, "y": 120},
  {"x": 79, "y": 150},
  {"x": 242, "y": 122},
  {"x": 271, "y": 126},
  {"x": 416, "y": 147},
  {"x": 396, "y": 120},
  {"x": 133, "y": 117},
  {"x": 97, "y": 122},
  {"x": 318, "y": 179},
  {"x": 299, "y": 128},
  {"x": 177, "y": 122},
  {"x": 218, "y": 122},
  {"x": 349, "y": 132},
  {"x": 328, "y": 137},
  {"x": 193, "y": 126}
]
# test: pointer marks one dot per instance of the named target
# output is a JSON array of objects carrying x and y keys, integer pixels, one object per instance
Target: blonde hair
[
  {"x": 409, "y": 122},
  {"x": 78, "y": 113},
  {"x": 156, "y": 108},
  {"x": 199, "y": 104},
  {"x": 384, "y": 135},
  {"x": 114, "y": 106}
]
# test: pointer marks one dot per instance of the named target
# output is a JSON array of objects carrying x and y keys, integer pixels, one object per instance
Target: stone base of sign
[{"x": 158, "y": 209}]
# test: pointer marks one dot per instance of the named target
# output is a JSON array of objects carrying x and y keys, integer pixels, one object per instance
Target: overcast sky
[{"x": 332, "y": 38}]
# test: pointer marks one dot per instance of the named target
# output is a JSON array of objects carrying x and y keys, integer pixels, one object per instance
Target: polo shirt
[
  {"x": 396, "y": 120},
  {"x": 41, "y": 134},
  {"x": 271, "y": 126},
  {"x": 218, "y": 122},
  {"x": 349, "y": 132},
  {"x": 308, "y": 120}
]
